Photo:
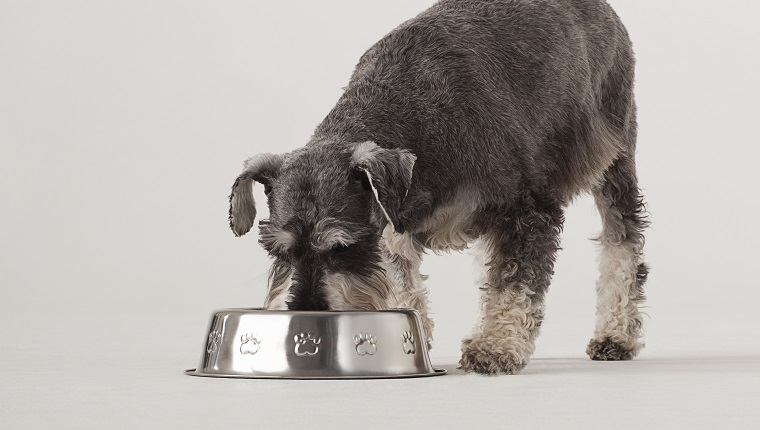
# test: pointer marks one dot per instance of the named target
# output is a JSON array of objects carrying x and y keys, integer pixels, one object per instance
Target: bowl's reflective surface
[{"x": 254, "y": 343}]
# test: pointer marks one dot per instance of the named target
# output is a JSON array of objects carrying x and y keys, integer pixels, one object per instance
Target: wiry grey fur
[{"x": 475, "y": 122}]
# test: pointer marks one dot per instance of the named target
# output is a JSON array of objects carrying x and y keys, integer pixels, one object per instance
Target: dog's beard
[
  {"x": 347, "y": 291},
  {"x": 280, "y": 279},
  {"x": 342, "y": 291},
  {"x": 372, "y": 289}
]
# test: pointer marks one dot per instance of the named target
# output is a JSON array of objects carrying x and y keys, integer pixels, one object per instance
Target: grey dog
[{"x": 473, "y": 124}]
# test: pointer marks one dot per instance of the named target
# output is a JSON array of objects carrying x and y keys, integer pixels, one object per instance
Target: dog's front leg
[
  {"x": 403, "y": 256},
  {"x": 519, "y": 249}
]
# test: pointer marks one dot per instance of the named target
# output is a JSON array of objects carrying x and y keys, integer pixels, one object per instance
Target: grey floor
[{"x": 122, "y": 371}]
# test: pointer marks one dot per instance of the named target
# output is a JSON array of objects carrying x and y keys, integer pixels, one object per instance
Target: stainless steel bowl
[{"x": 255, "y": 343}]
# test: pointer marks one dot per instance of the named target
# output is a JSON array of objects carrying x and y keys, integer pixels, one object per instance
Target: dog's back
[{"x": 502, "y": 94}]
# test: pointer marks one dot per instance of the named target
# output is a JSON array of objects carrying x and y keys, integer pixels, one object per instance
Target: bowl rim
[
  {"x": 262, "y": 311},
  {"x": 194, "y": 372}
]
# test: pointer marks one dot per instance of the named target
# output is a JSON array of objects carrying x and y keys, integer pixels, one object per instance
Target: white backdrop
[{"x": 123, "y": 124}]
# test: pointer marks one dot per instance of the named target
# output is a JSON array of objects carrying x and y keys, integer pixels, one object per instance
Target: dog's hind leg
[
  {"x": 617, "y": 334},
  {"x": 519, "y": 249},
  {"x": 402, "y": 256}
]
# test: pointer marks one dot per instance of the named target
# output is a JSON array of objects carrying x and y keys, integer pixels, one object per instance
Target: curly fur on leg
[
  {"x": 506, "y": 339},
  {"x": 521, "y": 250},
  {"x": 620, "y": 289}
]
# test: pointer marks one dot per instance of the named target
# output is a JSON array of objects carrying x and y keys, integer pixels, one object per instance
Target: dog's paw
[
  {"x": 492, "y": 356},
  {"x": 610, "y": 350}
]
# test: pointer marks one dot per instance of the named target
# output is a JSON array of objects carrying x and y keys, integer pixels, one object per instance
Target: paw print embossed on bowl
[
  {"x": 249, "y": 344},
  {"x": 256, "y": 343},
  {"x": 366, "y": 344},
  {"x": 408, "y": 342},
  {"x": 307, "y": 344}
]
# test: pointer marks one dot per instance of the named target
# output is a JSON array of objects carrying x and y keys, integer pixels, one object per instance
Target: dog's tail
[{"x": 262, "y": 168}]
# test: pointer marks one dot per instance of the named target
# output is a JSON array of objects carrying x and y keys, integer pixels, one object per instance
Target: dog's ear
[
  {"x": 261, "y": 168},
  {"x": 389, "y": 174}
]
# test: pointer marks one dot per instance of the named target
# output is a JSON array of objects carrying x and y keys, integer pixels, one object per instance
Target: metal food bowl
[{"x": 256, "y": 343}]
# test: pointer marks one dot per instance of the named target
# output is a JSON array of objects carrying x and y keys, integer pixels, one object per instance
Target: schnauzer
[{"x": 474, "y": 123}]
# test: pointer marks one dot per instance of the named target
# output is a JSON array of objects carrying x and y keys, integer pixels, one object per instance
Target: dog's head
[{"x": 328, "y": 206}]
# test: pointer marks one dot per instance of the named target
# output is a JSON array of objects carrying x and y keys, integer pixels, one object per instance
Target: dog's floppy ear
[
  {"x": 389, "y": 172},
  {"x": 261, "y": 168}
]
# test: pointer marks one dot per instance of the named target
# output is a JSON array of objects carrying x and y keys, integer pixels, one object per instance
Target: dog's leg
[
  {"x": 519, "y": 249},
  {"x": 617, "y": 335},
  {"x": 403, "y": 255}
]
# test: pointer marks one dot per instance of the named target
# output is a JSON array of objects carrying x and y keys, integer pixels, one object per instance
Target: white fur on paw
[{"x": 492, "y": 356}]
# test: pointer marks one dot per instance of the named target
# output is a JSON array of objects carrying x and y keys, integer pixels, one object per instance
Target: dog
[{"x": 473, "y": 124}]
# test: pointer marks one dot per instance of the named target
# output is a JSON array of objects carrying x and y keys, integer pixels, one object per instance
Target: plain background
[{"x": 123, "y": 124}]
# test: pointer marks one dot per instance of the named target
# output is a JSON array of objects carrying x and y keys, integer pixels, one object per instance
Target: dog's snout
[
  {"x": 307, "y": 292},
  {"x": 308, "y": 303}
]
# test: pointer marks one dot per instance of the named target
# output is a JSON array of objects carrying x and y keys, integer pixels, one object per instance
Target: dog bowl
[{"x": 256, "y": 343}]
